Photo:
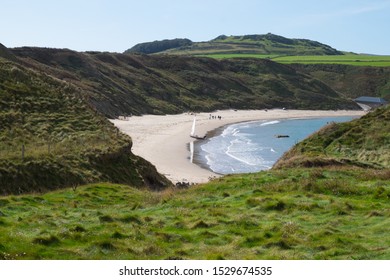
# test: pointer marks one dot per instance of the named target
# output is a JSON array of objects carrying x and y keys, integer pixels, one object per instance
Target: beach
[{"x": 164, "y": 140}]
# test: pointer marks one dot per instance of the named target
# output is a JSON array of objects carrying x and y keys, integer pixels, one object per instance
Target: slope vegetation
[
  {"x": 351, "y": 81},
  {"x": 159, "y": 46},
  {"x": 288, "y": 214},
  {"x": 5, "y": 53},
  {"x": 246, "y": 44},
  {"x": 51, "y": 138},
  {"x": 53, "y": 134},
  {"x": 118, "y": 84}
]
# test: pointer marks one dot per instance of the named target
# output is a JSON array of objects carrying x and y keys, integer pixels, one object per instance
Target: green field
[
  {"x": 241, "y": 55},
  {"x": 282, "y": 214},
  {"x": 357, "y": 60},
  {"x": 349, "y": 59}
]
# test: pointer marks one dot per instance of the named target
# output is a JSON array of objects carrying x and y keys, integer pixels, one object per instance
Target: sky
[{"x": 361, "y": 26}]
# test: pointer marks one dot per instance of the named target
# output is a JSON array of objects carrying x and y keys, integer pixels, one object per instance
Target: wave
[
  {"x": 269, "y": 123},
  {"x": 252, "y": 146},
  {"x": 243, "y": 150}
]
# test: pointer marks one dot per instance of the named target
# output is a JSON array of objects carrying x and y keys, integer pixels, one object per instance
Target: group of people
[{"x": 212, "y": 117}]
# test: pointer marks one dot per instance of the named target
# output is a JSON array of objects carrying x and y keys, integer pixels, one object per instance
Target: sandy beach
[{"x": 164, "y": 140}]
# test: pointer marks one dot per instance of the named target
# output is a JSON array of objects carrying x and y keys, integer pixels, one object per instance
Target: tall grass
[
  {"x": 50, "y": 137},
  {"x": 283, "y": 214}
]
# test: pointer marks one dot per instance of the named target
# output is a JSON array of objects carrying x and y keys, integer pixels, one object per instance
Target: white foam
[
  {"x": 269, "y": 123},
  {"x": 234, "y": 151},
  {"x": 251, "y": 146}
]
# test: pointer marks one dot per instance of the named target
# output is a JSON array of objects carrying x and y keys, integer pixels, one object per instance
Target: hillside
[
  {"x": 51, "y": 138},
  {"x": 53, "y": 101},
  {"x": 5, "y": 53},
  {"x": 246, "y": 44},
  {"x": 351, "y": 81},
  {"x": 327, "y": 198},
  {"x": 285, "y": 214},
  {"x": 159, "y": 46},
  {"x": 118, "y": 84},
  {"x": 334, "y": 68},
  {"x": 362, "y": 142},
  {"x": 335, "y": 209}
]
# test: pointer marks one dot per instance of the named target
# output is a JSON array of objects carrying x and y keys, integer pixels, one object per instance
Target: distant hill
[
  {"x": 362, "y": 142},
  {"x": 159, "y": 46},
  {"x": 253, "y": 44},
  {"x": 5, "y": 53}
]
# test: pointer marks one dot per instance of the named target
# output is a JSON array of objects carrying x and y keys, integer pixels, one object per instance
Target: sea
[{"x": 254, "y": 146}]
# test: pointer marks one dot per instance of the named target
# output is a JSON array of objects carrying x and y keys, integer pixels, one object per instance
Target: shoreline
[{"x": 163, "y": 139}]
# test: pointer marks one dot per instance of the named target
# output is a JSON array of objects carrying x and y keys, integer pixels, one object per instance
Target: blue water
[{"x": 252, "y": 146}]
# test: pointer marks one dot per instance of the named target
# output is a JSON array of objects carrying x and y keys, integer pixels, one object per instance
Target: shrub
[
  {"x": 106, "y": 219},
  {"x": 47, "y": 241}
]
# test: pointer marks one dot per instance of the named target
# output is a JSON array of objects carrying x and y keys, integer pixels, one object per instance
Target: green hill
[
  {"x": 118, "y": 84},
  {"x": 52, "y": 138},
  {"x": 331, "y": 209},
  {"x": 53, "y": 101},
  {"x": 5, "y": 53},
  {"x": 362, "y": 142},
  {"x": 327, "y": 198},
  {"x": 350, "y": 80},
  {"x": 159, "y": 46},
  {"x": 247, "y": 44}
]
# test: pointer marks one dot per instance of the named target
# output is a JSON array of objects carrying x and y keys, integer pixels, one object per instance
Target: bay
[{"x": 254, "y": 146}]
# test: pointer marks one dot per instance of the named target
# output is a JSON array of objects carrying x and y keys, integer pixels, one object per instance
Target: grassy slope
[
  {"x": 255, "y": 44},
  {"x": 280, "y": 214},
  {"x": 350, "y": 80},
  {"x": 289, "y": 214},
  {"x": 365, "y": 141},
  {"x": 65, "y": 141},
  {"x": 308, "y": 56},
  {"x": 350, "y": 75},
  {"x": 119, "y": 84},
  {"x": 333, "y": 212}
]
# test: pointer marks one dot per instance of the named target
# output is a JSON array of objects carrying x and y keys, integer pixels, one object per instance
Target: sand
[{"x": 164, "y": 140}]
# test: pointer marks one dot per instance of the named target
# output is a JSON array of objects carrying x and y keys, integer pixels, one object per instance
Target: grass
[
  {"x": 349, "y": 59},
  {"x": 47, "y": 117},
  {"x": 283, "y": 214},
  {"x": 241, "y": 55},
  {"x": 254, "y": 44},
  {"x": 50, "y": 137}
]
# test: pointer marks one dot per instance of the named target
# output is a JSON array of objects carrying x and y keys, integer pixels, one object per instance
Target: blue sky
[{"x": 361, "y": 26}]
